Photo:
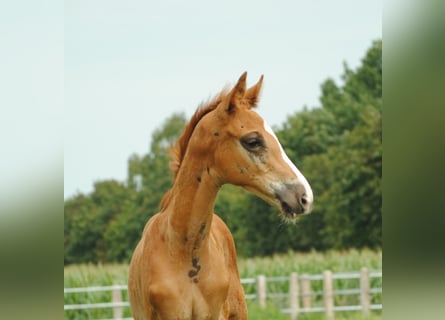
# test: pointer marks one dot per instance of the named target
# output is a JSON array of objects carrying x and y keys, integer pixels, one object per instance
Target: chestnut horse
[{"x": 184, "y": 266}]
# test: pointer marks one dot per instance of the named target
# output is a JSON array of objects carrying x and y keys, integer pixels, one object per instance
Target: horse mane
[{"x": 178, "y": 151}]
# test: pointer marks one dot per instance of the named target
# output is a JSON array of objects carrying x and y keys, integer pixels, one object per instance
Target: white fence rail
[{"x": 300, "y": 295}]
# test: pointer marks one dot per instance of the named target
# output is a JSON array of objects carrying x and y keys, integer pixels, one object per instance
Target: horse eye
[{"x": 252, "y": 141}]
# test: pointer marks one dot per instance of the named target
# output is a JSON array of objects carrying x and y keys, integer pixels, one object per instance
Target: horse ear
[
  {"x": 236, "y": 94},
  {"x": 252, "y": 95}
]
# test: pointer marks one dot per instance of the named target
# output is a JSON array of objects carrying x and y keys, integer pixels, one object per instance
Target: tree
[
  {"x": 352, "y": 204},
  {"x": 80, "y": 230}
]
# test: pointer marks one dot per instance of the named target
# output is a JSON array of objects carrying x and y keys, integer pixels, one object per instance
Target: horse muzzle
[{"x": 293, "y": 198}]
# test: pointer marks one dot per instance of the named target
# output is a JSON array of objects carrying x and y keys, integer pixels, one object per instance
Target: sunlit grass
[{"x": 311, "y": 263}]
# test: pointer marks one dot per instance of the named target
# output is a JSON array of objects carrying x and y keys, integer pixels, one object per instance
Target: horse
[{"x": 184, "y": 266}]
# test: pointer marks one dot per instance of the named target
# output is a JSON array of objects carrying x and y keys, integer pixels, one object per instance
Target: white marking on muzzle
[{"x": 300, "y": 177}]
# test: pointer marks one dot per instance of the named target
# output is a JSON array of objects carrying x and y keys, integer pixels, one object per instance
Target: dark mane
[{"x": 178, "y": 151}]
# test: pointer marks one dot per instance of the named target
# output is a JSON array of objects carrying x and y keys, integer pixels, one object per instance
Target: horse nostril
[{"x": 304, "y": 201}]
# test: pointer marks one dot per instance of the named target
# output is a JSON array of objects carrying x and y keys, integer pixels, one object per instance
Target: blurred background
[{"x": 52, "y": 53}]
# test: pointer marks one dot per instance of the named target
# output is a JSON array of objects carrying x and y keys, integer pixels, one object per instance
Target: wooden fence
[{"x": 300, "y": 295}]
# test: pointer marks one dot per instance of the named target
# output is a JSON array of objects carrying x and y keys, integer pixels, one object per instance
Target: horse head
[{"x": 244, "y": 151}]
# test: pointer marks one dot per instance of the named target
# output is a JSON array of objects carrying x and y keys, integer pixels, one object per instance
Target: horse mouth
[
  {"x": 291, "y": 213},
  {"x": 291, "y": 205},
  {"x": 292, "y": 200}
]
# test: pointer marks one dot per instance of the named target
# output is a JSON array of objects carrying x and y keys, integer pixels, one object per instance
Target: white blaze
[{"x": 297, "y": 172}]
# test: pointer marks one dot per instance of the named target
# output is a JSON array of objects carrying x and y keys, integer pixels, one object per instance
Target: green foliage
[
  {"x": 80, "y": 230},
  {"x": 337, "y": 146}
]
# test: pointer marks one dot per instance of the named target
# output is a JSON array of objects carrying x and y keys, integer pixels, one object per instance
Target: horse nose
[{"x": 293, "y": 199}]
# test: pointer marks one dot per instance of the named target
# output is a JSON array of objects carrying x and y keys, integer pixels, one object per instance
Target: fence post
[
  {"x": 365, "y": 297},
  {"x": 293, "y": 295},
  {"x": 261, "y": 290},
  {"x": 116, "y": 296},
  {"x": 328, "y": 294},
  {"x": 306, "y": 291}
]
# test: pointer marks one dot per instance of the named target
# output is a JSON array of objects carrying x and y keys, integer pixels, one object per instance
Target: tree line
[{"x": 337, "y": 145}]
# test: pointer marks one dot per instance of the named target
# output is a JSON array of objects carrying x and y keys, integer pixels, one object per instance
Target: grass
[
  {"x": 278, "y": 265},
  {"x": 274, "y": 313},
  {"x": 311, "y": 263}
]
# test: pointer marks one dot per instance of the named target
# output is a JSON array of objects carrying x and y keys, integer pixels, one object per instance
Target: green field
[{"x": 278, "y": 265}]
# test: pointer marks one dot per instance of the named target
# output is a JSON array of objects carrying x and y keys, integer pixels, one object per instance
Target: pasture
[{"x": 273, "y": 266}]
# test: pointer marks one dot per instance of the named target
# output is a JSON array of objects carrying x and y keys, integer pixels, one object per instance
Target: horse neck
[{"x": 191, "y": 210}]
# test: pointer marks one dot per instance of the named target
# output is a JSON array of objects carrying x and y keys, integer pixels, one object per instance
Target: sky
[{"x": 129, "y": 65}]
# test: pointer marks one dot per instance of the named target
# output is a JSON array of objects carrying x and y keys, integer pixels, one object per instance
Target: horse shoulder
[{"x": 138, "y": 277}]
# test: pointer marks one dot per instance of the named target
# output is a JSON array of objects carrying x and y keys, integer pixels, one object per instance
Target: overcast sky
[{"x": 131, "y": 64}]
